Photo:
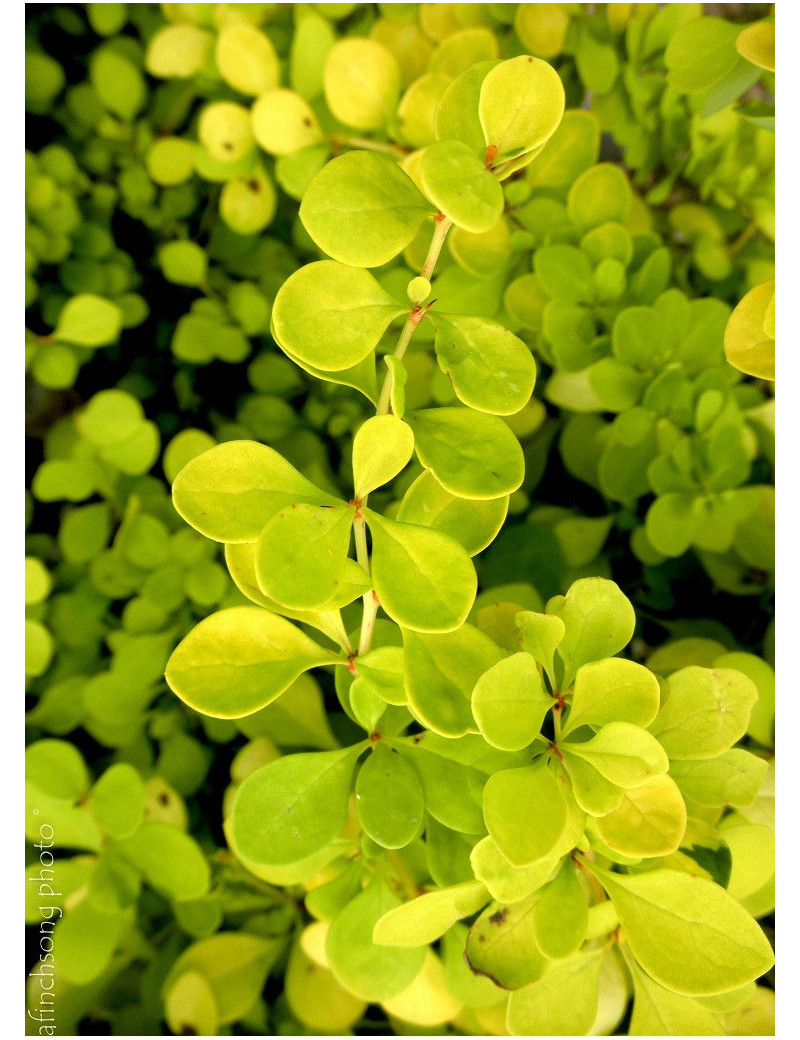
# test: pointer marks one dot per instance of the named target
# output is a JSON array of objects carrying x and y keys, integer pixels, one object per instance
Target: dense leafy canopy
[{"x": 401, "y": 431}]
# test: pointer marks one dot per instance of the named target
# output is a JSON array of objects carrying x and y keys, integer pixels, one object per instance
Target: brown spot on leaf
[{"x": 498, "y": 917}]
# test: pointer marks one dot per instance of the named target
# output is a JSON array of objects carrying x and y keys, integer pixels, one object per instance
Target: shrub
[{"x": 400, "y": 393}]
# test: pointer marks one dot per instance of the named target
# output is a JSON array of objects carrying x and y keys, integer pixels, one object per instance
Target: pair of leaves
[
  {"x": 362, "y": 209},
  {"x": 513, "y": 944}
]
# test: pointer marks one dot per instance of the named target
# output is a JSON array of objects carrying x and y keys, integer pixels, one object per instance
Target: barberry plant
[
  {"x": 512, "y": 767},
  {"x": 449, "y": 329}
]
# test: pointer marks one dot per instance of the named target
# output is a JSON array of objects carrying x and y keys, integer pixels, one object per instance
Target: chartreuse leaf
[
  {"x": 240, "y": 659},
  {"x": 593, "y": 793},
  {"x": 701, "y": 52},
  {"x": 660, "y": 1012},
  {"x": 39, "y": 647},
  {"x": 750, "y": 333},
  {"x": 88, "y": 321},
  {"x": 190, "y": 1007},
  {"x": 762, "y": 716},
  {"x": 246, "y": 58},
  {"x": 292, "y": 807},
  {"x": 382, "y": 447},
  {"x": 361, "y": 376},
  {"x": 456, "y": 116},
  {"x": 371, "y": 971},
  {"x": 440, "y": 674},
  {"x": 362, "y": 83},
  {"x": 178, "y": 51},
  {"x": 460, "y": 185},
  {"x": 234, "y": 965},
  {"x": 452, "y": 790},
  {"x": 752, "y": 879},
  {"x": 229, "y": 492},
  {"x": 170, "y": 860},
  {"x": 706, "y": 712},
  {"x": 427, "y": 1001},
  {"x": 613, "y": 690},
  {"x": 331, "y": 315},
  {"x": 732, "y": 778},
  {"x": 506, "y": 883},
  {"x": 599, "y": 621},
  {"x": 756, "y": 42},
  {"x": 601, "y": 194},
  {"x": 474, "y": 524},
  {"x": 398, "y": 377},
  {"x": 87, "y": 937},
  {"x": 240, "y": 558},
  {"x": 472, "y": 455},
  {"x": 284, "y": 123},
  {"x": 389, "y": 798},
  {"x": 465, "y": 986},
  {"x": 539, "y": 635},
  {"x": 57, "y": 769},
  {"x": 623, "y": 753},
  {"x": 317, "y": 1000},
  {"x": 509, "y": 702},
  {"x": 362, "y": 209},
  {"x": 427, "y": 918},
  {"x": 562, "y": 1002},
  {"x": 521, "y": 104},
  {"x": 302, "y": 555},
  {"x": 687, "y": 933},
  {"x": 382, "y": 670},
  {"x": 491, "y": 369},
  {"x": 526, "y": 813},
  {"x": 561, "y": 914},
  {"x": 542, "y": 28},
  {"x": 117, "y": 800},
  {"x": 424, "y": 580},
  {"x": 649, "y": 821},
  {"x": 501, "y": 945}
]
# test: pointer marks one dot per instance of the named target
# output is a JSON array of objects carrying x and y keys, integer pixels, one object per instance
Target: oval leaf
[
  {"x": 649, "y": 821},
  {"x": 626, "y": 755},
  {"x": 389, "y": 798},
  {"x": 459, "y": 184},
  {"x": 525, "y": 812},
  {"x": 490, "y": 368},
  {"x": 472, "y": 455},
  {"x": 301, "y": 556},
  {"x": 614, "y": 690},
  {"x": 362, "y": 209},
  {"x": 440, "y": 673},
  {"x": 424, "y": 580},
  {"x": 331, "y": 316},
  {"x": 509, "y": 703},
  {"x": 472, "y": 523},
  {"x": 382, "y": 447},
  {"x": 291, "y": 808},
  {"x": 229, "y": 492},
  {"x": 707, "y": 711},
  {"x": 521, "y": 104},
  {"x": 239, "y": 660},
  {"x": 426, "y": 918},
  {"x": 686, "y": 932},
  {"x": 366, "y": 969}
]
